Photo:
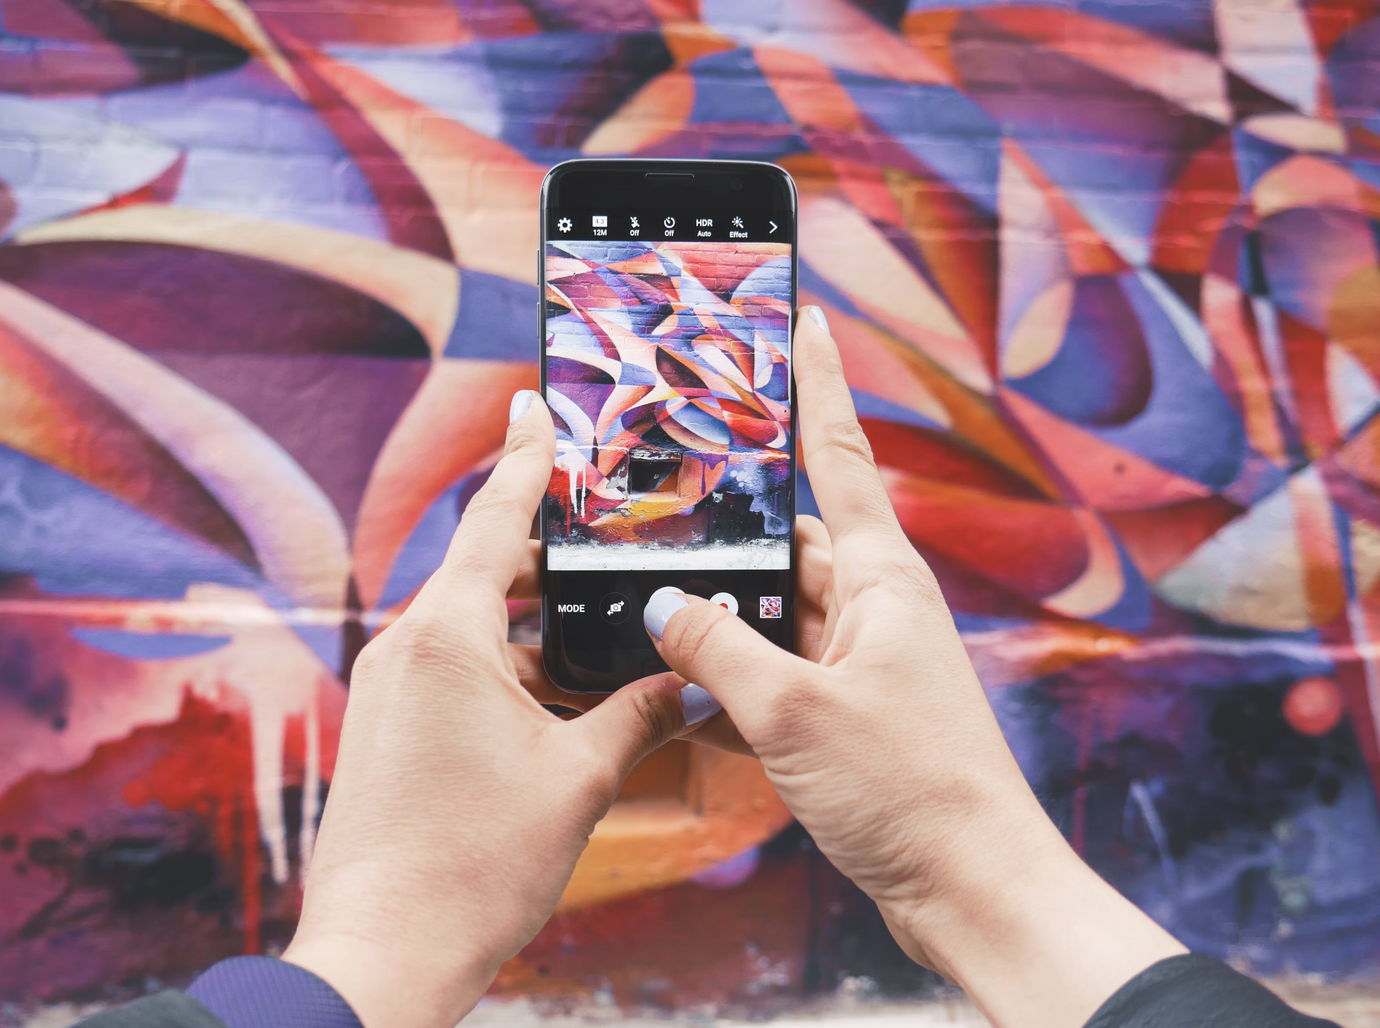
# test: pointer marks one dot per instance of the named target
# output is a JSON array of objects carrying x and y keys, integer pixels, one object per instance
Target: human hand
[
  {"x": 814, "y": 568},
  {"x": 459, "y": 806},
  {"x": 880, "y": 741}
]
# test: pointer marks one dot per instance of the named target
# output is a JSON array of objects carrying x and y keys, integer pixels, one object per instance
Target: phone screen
[{"x": 666, "y": 353}]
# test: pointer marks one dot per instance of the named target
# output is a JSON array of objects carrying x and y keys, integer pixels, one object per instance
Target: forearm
[
  {"x": 1027, "y": 929},
  {"x": 389, "y": 988}
]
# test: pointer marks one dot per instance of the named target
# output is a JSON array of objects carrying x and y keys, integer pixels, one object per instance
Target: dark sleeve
[
  {"x": 1197, "y": 992},
  {"x": 161, "y": 1010},
  {"x": 243, "y": 992},
  {"x": 261, "y": 992}
]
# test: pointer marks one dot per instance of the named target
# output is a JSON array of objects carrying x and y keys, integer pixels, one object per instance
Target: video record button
[{"x": 615, "y": 608}]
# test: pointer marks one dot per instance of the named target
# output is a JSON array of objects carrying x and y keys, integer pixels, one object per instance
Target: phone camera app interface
[{"x": 667, "y": 375}]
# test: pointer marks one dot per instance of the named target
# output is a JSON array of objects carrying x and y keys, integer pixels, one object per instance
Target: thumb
[
  {"x": 643, "y": 716},
  {"x": 706, "y": 644}
]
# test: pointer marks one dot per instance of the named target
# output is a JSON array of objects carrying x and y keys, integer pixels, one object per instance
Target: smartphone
[{"x": 668, "y": 292}]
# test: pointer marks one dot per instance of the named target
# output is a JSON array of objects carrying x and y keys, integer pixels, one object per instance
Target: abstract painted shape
[{"x": 1105, "y": 280}]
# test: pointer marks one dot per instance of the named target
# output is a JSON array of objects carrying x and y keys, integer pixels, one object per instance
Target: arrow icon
[{"x": 772, "y": 224}]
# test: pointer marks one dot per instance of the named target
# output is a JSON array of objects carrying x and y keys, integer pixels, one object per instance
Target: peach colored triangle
[
  {"x": 1105, "y": 476},
  {"x": 642, "y": 264}
]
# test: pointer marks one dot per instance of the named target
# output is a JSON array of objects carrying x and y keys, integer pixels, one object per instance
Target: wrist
[
  {"x": 1026, "y": 928},
  {"x": 391, "y": 987}
]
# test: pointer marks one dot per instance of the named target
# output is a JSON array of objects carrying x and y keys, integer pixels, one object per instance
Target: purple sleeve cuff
[{"x": 261, "y": 992}]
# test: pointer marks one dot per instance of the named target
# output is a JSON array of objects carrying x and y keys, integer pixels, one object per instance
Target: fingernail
[
  {"x": 522, "y": 399},
  {"x": 698, "y": 704},
  {"x": 817, "y": 316},
  {"x": 664, "y": 602}
]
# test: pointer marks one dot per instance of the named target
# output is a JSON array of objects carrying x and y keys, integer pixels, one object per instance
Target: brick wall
[{"x": 1105, "y": 279}]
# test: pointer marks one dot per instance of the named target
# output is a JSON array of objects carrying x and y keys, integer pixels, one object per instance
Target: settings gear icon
[{"x": 563, "y": 224}]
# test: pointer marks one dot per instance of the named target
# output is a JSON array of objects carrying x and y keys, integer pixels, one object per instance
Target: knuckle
[
  {"x": 428, "y": 639},
  {"x": 794, "y": 711},
  {"x": 915, "y": 579},
  {"x": 462, "y": 564},
  {"x": 849, "y": 439},
  {"x": 695, "y": 634},
  {"x": 497, "y": 497},
  {"x": 655, "y": 716},
  {"x": 371, "y": 660},
  {"x": 909, "y": 579},
  {"x": 875, "y": 510},
  {"x": 523, "y": 434}
]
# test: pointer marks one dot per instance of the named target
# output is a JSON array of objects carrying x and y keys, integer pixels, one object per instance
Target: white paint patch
[
  {"x": 1270, "y": 43},
  {"x": 1185, "y": 322},
  {"x": 1350, "y": 389},
  {"x": 1249, "y": 573},
  {"x": 311, "y": 782},
  {"x": 1272, "y": 346},
  {"x": 278, "y": 677}
]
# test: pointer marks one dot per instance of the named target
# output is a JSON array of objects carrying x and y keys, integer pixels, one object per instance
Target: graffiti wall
[{"x": 1106, "y": 283}]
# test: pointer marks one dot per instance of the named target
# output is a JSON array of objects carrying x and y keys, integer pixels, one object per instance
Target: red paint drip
[
  {"x": 211, "y": 771},
  {"x": 249, "y": 876}
]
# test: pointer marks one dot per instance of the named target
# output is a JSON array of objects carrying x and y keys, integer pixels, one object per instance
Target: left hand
[{"x": 459, "y": 806}]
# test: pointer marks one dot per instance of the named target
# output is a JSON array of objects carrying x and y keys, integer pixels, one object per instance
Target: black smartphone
[{"x": 667, "y": 304}]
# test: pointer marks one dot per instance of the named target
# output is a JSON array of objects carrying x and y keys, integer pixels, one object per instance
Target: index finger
[
  {"x": 852, "y": 499},
  {"x": 491, "y": 545}
]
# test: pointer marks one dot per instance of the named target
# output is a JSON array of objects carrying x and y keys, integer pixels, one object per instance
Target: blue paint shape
[
  {"x": 149, "y": 646},
  {"x": 1100, "y": 374},
  {"x": 76, "y": 540},
  {"x": 869, "y": 406},
  {"x": 949, "y": 133},
  {"x": 809, "y": 280},
  {"x": 730, "y": 87},
  {"x": 805, "y": 502},
  {"x": 497, "y": 319},
  {"x": 1254, "y": 157},
  {"x": 426, "y": 547}
]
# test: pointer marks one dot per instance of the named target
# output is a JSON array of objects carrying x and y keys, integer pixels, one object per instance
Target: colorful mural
[
  {"x": 1106, "y": 283},
  {"x": 667, "y": 376}
]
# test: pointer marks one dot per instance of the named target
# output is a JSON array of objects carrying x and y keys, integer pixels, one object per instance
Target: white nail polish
[
  {"x": 522, "y": 399},
  {"x": 698, "y": 704},
  {"x": 660, "y": 607},
  {"x": 817, "y": 316}
]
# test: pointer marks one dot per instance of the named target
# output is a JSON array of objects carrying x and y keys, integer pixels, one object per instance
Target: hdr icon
[{"x": 571, "y": 608}]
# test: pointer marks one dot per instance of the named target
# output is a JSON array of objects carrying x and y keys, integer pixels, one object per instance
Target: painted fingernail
[
  {"x": 698, "y": 704},
  {"x": 817, "y": 316},
  {"x": 664, "y": 602},
  {"x": 522, "y": 399}
]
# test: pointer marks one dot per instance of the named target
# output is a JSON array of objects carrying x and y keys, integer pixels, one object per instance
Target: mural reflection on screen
[{"x": 667, "y": 373}]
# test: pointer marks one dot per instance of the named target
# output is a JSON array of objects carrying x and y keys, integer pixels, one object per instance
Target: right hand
[{"x": 884, "y": 747}]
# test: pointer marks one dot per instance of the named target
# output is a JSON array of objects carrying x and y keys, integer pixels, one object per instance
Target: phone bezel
[{"x": 613, "y": 183}]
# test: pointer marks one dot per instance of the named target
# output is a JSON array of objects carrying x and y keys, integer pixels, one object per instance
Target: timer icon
[
  {"x": 670, "y": 222},
  {"x": 563, "y": 224}
]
